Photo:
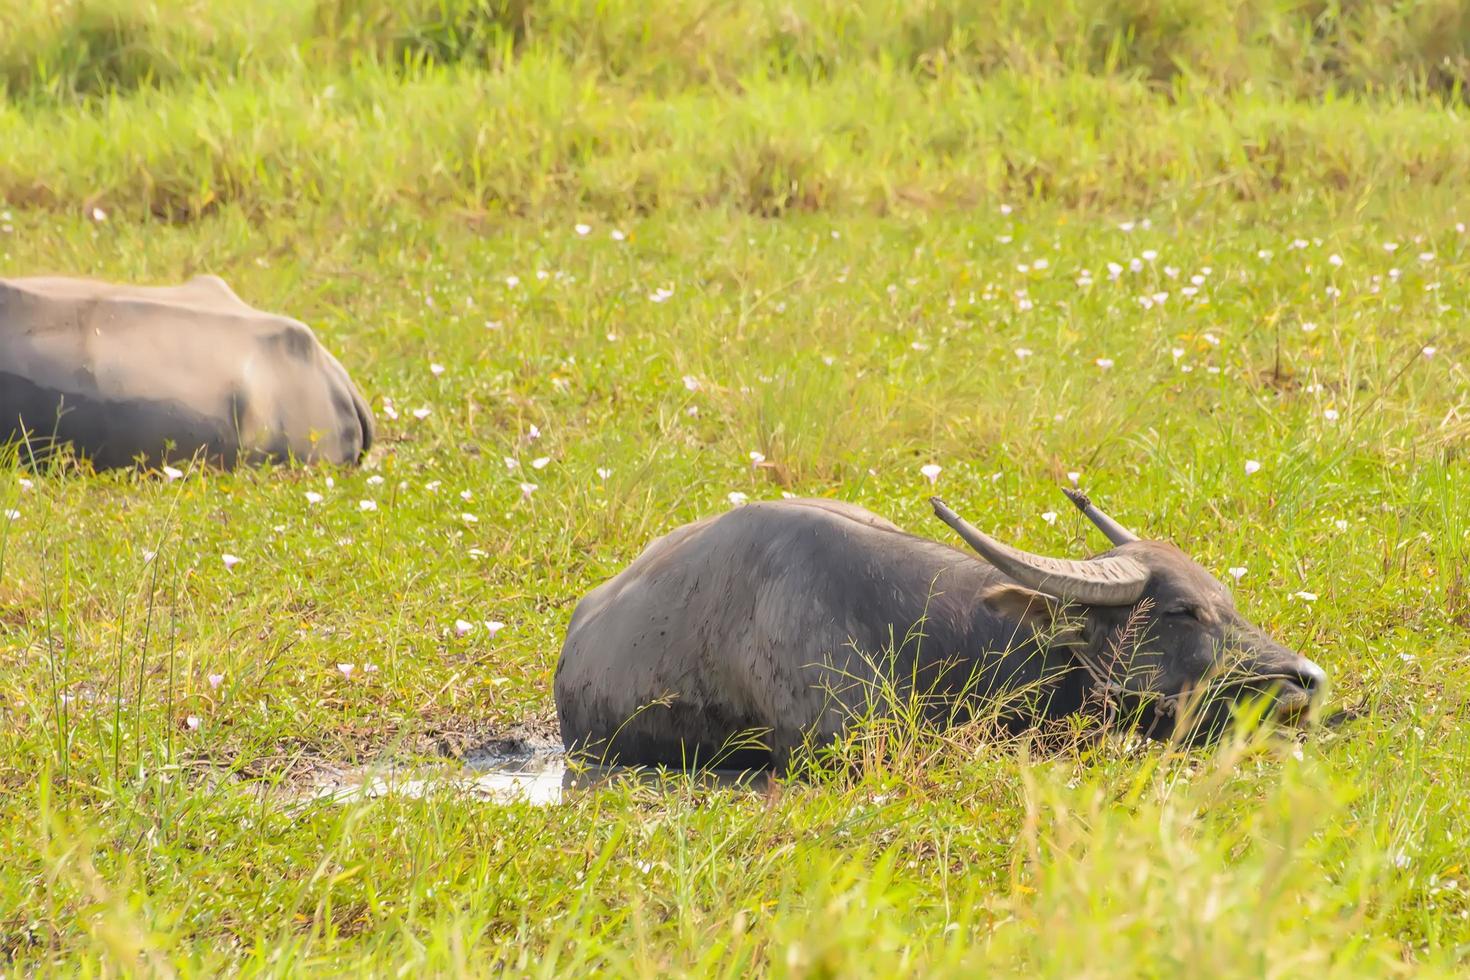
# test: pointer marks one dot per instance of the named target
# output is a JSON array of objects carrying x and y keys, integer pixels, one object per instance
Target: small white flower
[
  {"x": 1114, "y": 270},
  {"x": 1104, "y": 362},
  {"x": 931, "y": 471},
  {"x": 215, "y": 680},
  {"x": 1212, "y": 340},
  {"x": 1075, "y": 477},
  {"x": 511, "y": 282},
  {"x": 421, "y": 413},
  {"x": 691, "y": 382},
  {"x": 230, "y": 561},
  {"x": 26, "y": 484},
  {"x": 375, "y": 480},
  {"x": 757, "y": 458},
  {"x": 171, "y": 473},
  {"x": 1330, "y": 414},
  {"x": 618, "y": 235},
  {"x": 1340, "y": 524},
  {"x": 192, "y": 721},
  {"x": 492, "y": 627},
  {"x": 582, "y": 229},
  {"x": 1149, "y": 255},
  {"x": 540, "y": 462},
  {"x": 660, "y": 294},
  {"x": 1237, "y": 572},
  {"x": 466, "y": 495},
  {"x": 1023, "y": 352},
  {"x": 1050, "y": 517},
  {"x": 366, "y": 505},
  {"x": 462, "y": 627},
  {"x": 736, "y": 497},
  {"x": 1426, "y": 256},
  {"x": 1306, "y": 596},
  {"x": 1125, "y": 226},
  {"x": 148, "y": 556},
  {"x": 1176, "y": 352},
  {"x": 312, "y": 497},
  {"x": 1251, "y": 466},
  {"x": 1040, "y": 264},
  {"x": 11, "y": 514},
  {"x": 603, "y": 472},
  {"x": 1334, "y": 260},
  {"x": 99, "y": 215},
  {"x": 346, "y": 670},
  {"x": 436, "y": 369},
  {"x": 1308, "y": 326},
  {"x": 1429, "y": 351},
  {"x": 469, "y": 518},
  {"x": 369, "y": 668},
  {"x": 526, "y": 490}
]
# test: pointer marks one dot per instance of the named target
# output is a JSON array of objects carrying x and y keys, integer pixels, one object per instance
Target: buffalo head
[{"x": 1156, "y": 630}]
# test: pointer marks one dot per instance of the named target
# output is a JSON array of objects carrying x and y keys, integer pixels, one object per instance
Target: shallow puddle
[{"x": 541, "y": 777}]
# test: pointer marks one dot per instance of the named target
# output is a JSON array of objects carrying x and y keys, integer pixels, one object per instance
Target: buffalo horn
[
  {"x": 1113, "y": 581},
  {"x": 1117, "y": 533}
]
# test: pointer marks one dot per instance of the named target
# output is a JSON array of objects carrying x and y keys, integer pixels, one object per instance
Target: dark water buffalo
[
  {"x": 782, "y": 619},
  {"x": 162, "y": 373}
]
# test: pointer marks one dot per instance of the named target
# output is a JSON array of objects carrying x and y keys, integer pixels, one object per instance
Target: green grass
[{"x": 848, "y": 296}]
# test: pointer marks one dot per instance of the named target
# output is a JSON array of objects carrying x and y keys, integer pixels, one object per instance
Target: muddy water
[{"x": 541, "y": 776}]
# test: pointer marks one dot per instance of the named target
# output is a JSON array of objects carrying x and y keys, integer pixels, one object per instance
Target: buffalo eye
[{"x": 1184, "y": 612}]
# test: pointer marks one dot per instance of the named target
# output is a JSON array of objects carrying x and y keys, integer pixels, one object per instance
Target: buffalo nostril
[{"x": 1310, "y": 677}]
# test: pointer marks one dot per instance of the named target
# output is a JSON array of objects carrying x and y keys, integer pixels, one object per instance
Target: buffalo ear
[{"x": 1029, "y": 606}]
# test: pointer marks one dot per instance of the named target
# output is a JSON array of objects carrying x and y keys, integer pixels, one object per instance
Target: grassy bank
[{"x": 641, "y": 244}]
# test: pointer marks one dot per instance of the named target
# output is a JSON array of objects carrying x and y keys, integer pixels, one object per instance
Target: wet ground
[{"x": 510, "y": 771}]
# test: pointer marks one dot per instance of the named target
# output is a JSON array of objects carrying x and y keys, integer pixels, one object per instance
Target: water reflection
[{"x": 541, "y": 778}]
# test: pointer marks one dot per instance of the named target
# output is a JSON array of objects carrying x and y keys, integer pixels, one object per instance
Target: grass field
[{"x": 1213, "y": 259}]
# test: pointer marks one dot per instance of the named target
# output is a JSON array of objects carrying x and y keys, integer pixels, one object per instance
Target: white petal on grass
[
  {"x": 436, "y": 369},
  {"x": 469, "y": 518},
  {"x": 26, "y": 484},
  {"x": 1104, "y": 362},
  {"x": 1237, "y": 572},
  {"x": 511, "y": 282},
  {"x": 172, "y": 473},
  {"x": 375, "y": 480},
  {"x": 1251, "y": 466},
  {"x": 1050, "y": 517},
  {"x": 511, "y": 462},
  {"x": 603, "y": 472},
  {"x": 466, "y": 495},
  {"x": 618, "y": 235},
  {"x": 736, "y": 497},
  {"x": 433, "y": 486},
  {"x": 1429, "y": 351},
  {"x": 931, "y": 471},
  {"x": 11, "y": 514},
  {"x": 312, "y": 497},
  {"x": 1075, "y": 477},
  {"x": 582, "y": 229},
  {"x": 193, "y": 722},
  {"x": 1023, "y": 352},
  {"x": 527, "y": 489},
  {"x": 540, "y": 462},
  {"x": 1305, "y": 596},
  {"x": 1340, "y": 524},
  {"x": 215, "y": 680},
  {"x": 149, "y": 556},
  {"x": 99, "y": 215},
  {"x": 1330, "y": 414},
  {"x": 1334, "y": 260},
  {"x": 421, "y": 413},
  {"x": 346, "y": 670},
  {"x": 367, "y": 505},
  {"x": 757, "y": 457},
  {"x": 691, "y": 382},
  {"x": 230, "y": 561}
]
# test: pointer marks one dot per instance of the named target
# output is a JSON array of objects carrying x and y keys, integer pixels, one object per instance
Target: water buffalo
[
  {"x": 783, "y": 619},
  {"x": 160, "y": 373}
]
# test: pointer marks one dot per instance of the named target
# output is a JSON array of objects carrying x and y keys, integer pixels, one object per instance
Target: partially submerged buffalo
[
  {"x": 166, "y": 373},
  {"x": 786, "y": 620}
]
